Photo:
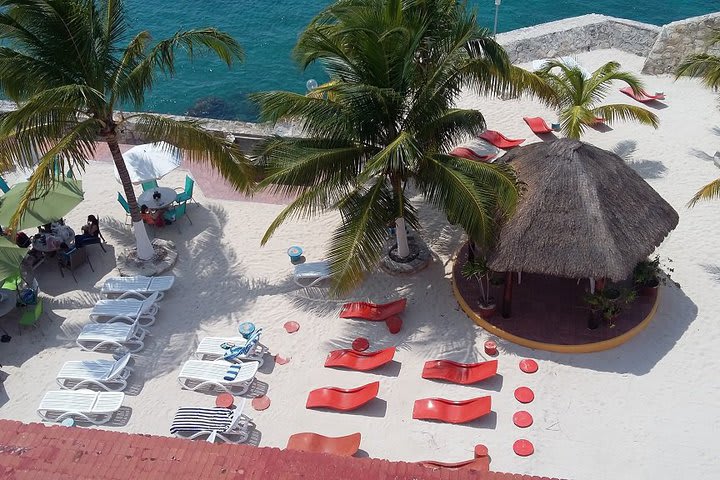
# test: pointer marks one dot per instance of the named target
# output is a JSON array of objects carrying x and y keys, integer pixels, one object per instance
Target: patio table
[{"x": 167, "y": 197}]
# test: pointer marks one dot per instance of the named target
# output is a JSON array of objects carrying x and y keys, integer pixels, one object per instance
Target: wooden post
[
  {"x": 507, "y": 295},
  {"x": 600, "y": 284}
]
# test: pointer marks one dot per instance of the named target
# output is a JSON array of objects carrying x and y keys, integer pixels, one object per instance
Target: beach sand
[{"x": 647, "y": 409}]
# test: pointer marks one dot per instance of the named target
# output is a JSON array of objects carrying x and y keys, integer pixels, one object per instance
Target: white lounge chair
[
  {"x": 128, "y": 310},
  {"x": 210, "y": 348},
  {"x": 310, "y": 274},
  {"x": 222, "y": 423},
  {"x": 94, "y": 407},
  {"x": 569, "y": 62},
  {"x": 141, "y": 286},
  {"x": 197, "y": 374},
  {"x": 108, "y": 375},
  {"x": 95, "y": 336}
]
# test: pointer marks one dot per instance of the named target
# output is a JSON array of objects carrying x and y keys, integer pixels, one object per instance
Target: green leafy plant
[
  {"x": 652, "y": 272},
  {"x": 610, "y": 304},
  {"x": 477, "y": 269}
]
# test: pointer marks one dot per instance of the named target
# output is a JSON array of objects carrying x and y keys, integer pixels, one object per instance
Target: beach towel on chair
[{"x": 189, "y": 419}]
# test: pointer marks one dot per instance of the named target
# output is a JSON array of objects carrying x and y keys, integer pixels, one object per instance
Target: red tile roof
[{"x": 36, "y": 451}]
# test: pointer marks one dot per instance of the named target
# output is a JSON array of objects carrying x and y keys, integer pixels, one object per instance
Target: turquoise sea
[{"x": 268, "y": 30}]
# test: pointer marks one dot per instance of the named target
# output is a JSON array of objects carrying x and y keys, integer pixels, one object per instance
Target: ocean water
[{"x": 268, "y": 30}]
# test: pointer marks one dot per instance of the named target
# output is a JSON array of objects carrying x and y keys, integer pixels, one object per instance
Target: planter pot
[
  {"x": 649, "y": 289},
  {"x": 611, "y": 293},
  {"x": 594, "y": 320},
  {"x": 487, "y": 311}
]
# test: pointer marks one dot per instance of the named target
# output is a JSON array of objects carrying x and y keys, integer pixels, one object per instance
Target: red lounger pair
[
  {"x": 346, "y": 446},
  {"x": 342, "y": 399},
  {"x": 373, "y": 311},
  {"x": 462, "y": 373},
  {"x": 451, "y": 411},
  {"x": 537, "y": 125},
  {"x": 500, "y": 140},
  {"x": 643, "y": 96},
  {"x": 362, "y": 361}
]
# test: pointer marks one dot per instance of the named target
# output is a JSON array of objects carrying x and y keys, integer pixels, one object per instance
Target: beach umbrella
[
  {"x": 11, "y": 256},
  {"x": 150, "y": 161},
  {"x": 50, "y": 204}
]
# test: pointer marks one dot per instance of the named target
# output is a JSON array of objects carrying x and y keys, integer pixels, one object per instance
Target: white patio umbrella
[{"x": 150, "y": 161}]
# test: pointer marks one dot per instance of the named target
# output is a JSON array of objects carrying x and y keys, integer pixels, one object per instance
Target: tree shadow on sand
[{"x": 647, "y": 169}]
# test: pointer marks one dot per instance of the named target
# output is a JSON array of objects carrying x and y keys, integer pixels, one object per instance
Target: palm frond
[
  {"x": 702, "y": 65},
  {"x": 708, "y": 192},
  {"x": 624, "y": 112}
]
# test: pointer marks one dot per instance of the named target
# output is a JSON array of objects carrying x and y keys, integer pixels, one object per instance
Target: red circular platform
[
  {"x": 261, "y": 403},
  {"x": 524, "y": 395},
  {"x": 523, "y": 447},
  {"x": 360, "y": 344},
  {"x": 224, "y": 400},
  {"x": 291, "y": 327},
  {"x": 522, "y": 419},
  {"x": 528, "y": 365},
  {"x": 394, "y": 324},
  {"x": 280, "y": 360},
  {"x": 481, "y": 450},
  {"x": 491, "y": 347}
]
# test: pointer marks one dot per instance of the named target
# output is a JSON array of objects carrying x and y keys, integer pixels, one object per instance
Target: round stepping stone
[
  {"x": 360, "y": 344},
  {"x": 394, "y": 324},
  {"x": 523, "y": 447},
  {"x": 524, "y": 395},
  {"x": 291, "y": 327},
  {"x": 481, "y": 450},
  {"x": 224, "y": 400},
  {"x": 522, "y": 419},
  {"x": 528, "y": 365},
  {"x": 280, "y": 360},
  {"x": 491, "y": 348},
  {"x": 261, "y": 403}
]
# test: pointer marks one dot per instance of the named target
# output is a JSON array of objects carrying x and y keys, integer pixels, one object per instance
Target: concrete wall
[{"x": 679, "y": 39}]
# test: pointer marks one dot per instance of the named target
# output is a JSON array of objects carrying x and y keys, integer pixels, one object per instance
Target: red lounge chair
[
  {"x": 537, "y": 125},
  {"x": 643, "y": 96},
  {"x": 362, "y": 361},
  {"x": 450, "y": 411},
  {"x": 372, "y": 311},
  {"x": 468, "y": 153},
  {"x": 462, "y": 373},
  {"x": 342, "y": 399},
  {"x": 500, "y": 140},
  {"x": 346, "y": 446}
]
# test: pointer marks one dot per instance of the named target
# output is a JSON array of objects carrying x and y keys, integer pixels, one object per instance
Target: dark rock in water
[{"x": 213, "y": 107}]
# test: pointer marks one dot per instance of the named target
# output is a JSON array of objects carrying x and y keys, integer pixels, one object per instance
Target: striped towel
[{"x": 189, "y": 419}]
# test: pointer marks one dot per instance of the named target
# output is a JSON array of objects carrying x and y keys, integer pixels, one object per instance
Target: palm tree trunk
[
  {"x": 403, "y": 249},
  {"x": 144, "y": 247}
]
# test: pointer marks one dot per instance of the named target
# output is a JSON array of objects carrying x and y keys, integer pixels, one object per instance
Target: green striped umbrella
[
  {"x": 49, "y": 205},
  {"x": 10, "y": 258}
]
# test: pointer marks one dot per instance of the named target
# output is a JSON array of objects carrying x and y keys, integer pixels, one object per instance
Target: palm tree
[
  {"x": 578, "y": 97},
  {"x": 63, "y": 62},
  {"x": 707, "y": 67},
  {"x": 380, "y": 128}
]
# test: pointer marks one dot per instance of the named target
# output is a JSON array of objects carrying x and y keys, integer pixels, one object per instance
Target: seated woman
[
  {"x": 152, "y": 218},
  {"x": 91, "y": 232}
]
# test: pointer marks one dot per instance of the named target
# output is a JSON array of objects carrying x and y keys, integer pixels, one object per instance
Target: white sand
[{"x": 647, "y": 409}]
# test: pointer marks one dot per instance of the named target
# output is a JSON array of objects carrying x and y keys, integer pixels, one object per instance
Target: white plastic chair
[
  {"x": 128, "y": 310},
  {"x": 210, "y": 348},
  {"x": 108, "y": 375},
  {"x": 121, "y": 336},
  {"x": 144, "y": 286},
  {"x": 219, "y": 423},
  {"x": 93, "y": 407},
  {"x": 310, "y": 274},
  {"x": 197, "y": 374}
]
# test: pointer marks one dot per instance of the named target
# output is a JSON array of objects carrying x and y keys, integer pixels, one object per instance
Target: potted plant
[
  {"x": 646, "y": 275},
  {"x": 607, "y": 306},
  {"x": 479, "y": 270}
]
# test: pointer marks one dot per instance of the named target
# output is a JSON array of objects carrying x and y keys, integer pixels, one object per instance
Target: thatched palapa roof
[{"x": 585, "y": 214}]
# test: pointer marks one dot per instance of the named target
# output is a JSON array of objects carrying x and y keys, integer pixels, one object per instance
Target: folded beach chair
[
  {"x": 310, "y": 274},
  {"x": 143, "y": 286},
  {"x": 222, "y": 423},
  {"x": 643, "y": 96},
  {"x": 93, "y": 407},
  {"x": 500, "y": 140},
  {"x": 128, "y": 310},
  {"x": 537, "y": 125},
  {"x": 108, "y": 375},
  {"x": 211, "y": 348},
  {"x": 121, "y": 336},
  {"x": 233, "y": 378}
]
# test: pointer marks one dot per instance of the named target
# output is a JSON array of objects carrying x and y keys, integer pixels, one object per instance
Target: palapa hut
[{"x": 584, "y": 214}]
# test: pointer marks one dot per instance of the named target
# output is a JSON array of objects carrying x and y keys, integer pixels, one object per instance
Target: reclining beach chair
[
  {"x": 121, "y": 336},
  {"x": 93, "y": 407},
  {"x": 141, "y": 286},
  {"x": 643, "y": 96},
  {"x": 108, "y": 375},
  {"x": 211, "y": 348},
  {"x": 537, "y": 125},
  {"x": 129, "y": 310},
  {"x": 310, "y": 274},
  {"x": 222, "y": 423},
  {"x": 233, "y": 378}
]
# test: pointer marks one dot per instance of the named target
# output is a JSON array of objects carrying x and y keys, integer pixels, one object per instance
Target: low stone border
[
  {"x": 163, "y": 260},
  {"x": 416, "y": 244}
]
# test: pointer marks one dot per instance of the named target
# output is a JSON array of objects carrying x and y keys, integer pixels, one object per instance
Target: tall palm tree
[
  {"x": 65, "y": 64},
  {"x": 706, "y": 66},
  {"x": 578, "y": 97},
  {"x": 382, "y": 126}
]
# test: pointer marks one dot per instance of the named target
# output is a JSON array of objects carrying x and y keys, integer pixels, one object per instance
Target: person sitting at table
[
  {"x": 152, "y": 218},
  {"x": 91, "y": 231},
  {"x": 47, "y": 228}
]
